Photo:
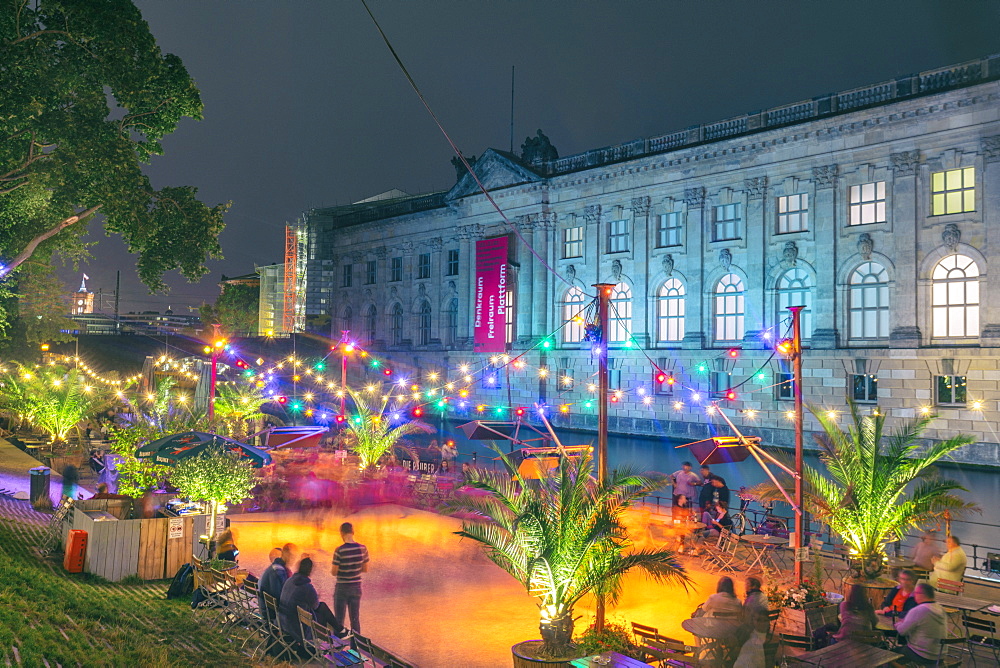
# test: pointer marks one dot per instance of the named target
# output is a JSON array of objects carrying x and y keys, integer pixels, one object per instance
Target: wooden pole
[
  {"x": 603, "y": 301},
  {"x": 797, "y": 390}
]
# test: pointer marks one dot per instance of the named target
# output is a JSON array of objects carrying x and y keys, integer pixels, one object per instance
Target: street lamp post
[
  {"x": 603, "y": 301},
  {"x": 218, "y": 344},
  {"x": 797, "y": 391}
]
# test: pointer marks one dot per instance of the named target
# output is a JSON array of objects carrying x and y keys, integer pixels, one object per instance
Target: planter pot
[
  {"x": 524, "y": 656},
  {"x": 804, "y": 623}
]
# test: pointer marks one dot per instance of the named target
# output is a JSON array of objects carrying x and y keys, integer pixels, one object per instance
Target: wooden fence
[{"x": 153, "y": 549}]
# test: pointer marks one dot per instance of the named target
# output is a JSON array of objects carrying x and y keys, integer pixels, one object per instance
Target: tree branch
[{"x": 33, "y": 244}]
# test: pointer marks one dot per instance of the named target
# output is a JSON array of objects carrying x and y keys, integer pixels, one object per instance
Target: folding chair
[
  {"x": 332, "y": 647},
  {"x": 945, "y": 660},
  {"x": 714, "y": 552},
  {"x": 306, "y": 631},
  {"x": 364, "y": 648},
  {"x": 278, "y": 640},
  {"x": 982, "y": 632},
  {"x": 950, "y": 586}
]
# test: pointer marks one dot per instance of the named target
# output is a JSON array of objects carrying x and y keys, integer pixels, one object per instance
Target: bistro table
[
  {"x": 847, "y": 653},
  {"x": 715, "y": 636},
  {"x": 608, "y": 660},
  {"x": 961, "y": 602},
  {"x": 761, "y": 547}
]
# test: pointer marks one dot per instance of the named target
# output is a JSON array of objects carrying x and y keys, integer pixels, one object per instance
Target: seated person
[
  {"x": 103, "y": 493},
  {"x": 900, "y": 598},
  {"x": 923, "y": 627},
  {"x": 951, "y": 565},
  {"x": 722, "y": 520},
  {"x": 299, "y": 592},
  {"x": 723, "y": 603},
  {"x": 708, "y": 515},
  {"x": 756, "y": 609},
  {"x": 272, "y": 580},
  {"x": 857, "y": 616}
]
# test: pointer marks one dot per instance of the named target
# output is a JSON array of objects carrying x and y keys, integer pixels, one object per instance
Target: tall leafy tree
[
  {"x": 236, "y": 309},
  {"x": 87, "y": 98}
]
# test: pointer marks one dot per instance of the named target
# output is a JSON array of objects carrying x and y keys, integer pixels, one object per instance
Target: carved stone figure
[
  {"x": 905, "y": 162},
  {"x": 726, "y": 258},
  {"x": 951, "y": 236},
  {"x": 756, "y": 187},
  {"x": 460, "y": 169},
  {"x": 790, "y": 253},
  {"x": 394, "y": 292},
  {"x": 538, "y": 149},
  {"x": 616, "y": 270},
  {"x": 592, "y": 213},
  {"x": 694, "y": 197},
  {"x": 571, "y": 273},
  {"x": 640, "y": 205},
  {"x": 991, "y": 148},
  {"x": 436, "y": 243},
  {"x": 422, "y": 290},
  {"x": 451, "y": 286},
  {"x": 668, "y": 264},
  {"x": 825, "y": 176},
  {"x": 865, "y": 246}
]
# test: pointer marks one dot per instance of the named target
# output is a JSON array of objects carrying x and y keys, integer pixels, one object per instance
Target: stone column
[
  {"x": 904, "y": 332},
  {"x": 640, "y": 270},
  {"x": 527, "y": 262},
  {"x": 755, "y": 263},
  {"x": 989, "y": 295},
  {"x": 825, "y": 304},
  {"x": 695, "y": 320}
]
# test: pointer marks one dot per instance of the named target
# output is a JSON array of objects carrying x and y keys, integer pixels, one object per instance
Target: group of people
[
  {"x": 296, "y": 590},
  {"x": 712, "y": 498},
  {"x": 752, "y": 615}
]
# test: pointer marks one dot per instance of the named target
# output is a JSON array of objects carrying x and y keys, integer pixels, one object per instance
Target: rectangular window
[
  {"x": 865, "y": 387},
  {"x": 424, "y": 265},
  {"x": 396, "y": 270},
  {"x": 509, "y": 304},
  {"x": 867, "y": 203},
  {"x": 617, "y": 236},
  {"x": 793, "y": 213},
  {"x": 785, "y": 386},
  {"x": 719, "y": 381},
  {"x": 727, "y": 222},
  {"x": 348, "y": 276},
  {"x": 566, "y": 379},
  {"x": 452, "y": 263},
  {"x": 371, "y": 271},
  {"x": 573, "y": 242},
  {"x": 953, "y": 191},
  {"x": 668, "y": 233},
  {"x": 951, "y": 390}
]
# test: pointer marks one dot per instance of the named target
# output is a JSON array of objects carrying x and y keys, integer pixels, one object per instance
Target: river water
[{"x": 663, "y": 455}]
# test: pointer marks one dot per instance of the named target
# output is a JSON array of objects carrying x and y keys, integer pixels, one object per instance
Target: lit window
[
  {"x": 668, "y": 232},
  {"x": 951, "y": 389},
  {"x": 865, "y": 387},
  {"x": 509, "y": 309},
  {"x": 424, "y": 324},
  {"x": 620, "y": 316},
  {"x": 793, "y": 213},
  {"x": 867, "y": 203},
  {"x": 869, "y": 304},
  {"x": 397, "y": 325},
  {"x": 424, "y": 265},
  {"x": 955, "y": 297},
  {"x": 572, "y": 315},
  {"x": 452, "y": 263},
  {"x": 573, "y": 242},
  {"x": 953, "y": 191},
  {"x": 795, "y": 289},
  {"x": 785, "y": 386},
  {"x": 727, "y": 222},
  {"x": 396, "y": 270},
  {"x": 670, "y": 311},
  {"x": 729, "y": 308},
  {"x": 348, "y": 276},
  {"x": 371, "y": 271},
  {"x": 617, "y": 236}
]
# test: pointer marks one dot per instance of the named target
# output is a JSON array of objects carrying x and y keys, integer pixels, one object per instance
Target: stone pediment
[{"x": 496, "y": 170}]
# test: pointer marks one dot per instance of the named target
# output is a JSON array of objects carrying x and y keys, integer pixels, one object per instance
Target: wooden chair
[
  {"x": 950, "y": 586},
  {"x": 278, "y": 639},
  {"x": 306, "y": 633}
]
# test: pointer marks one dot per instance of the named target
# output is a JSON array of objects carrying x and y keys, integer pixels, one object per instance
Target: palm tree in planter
[
  {"x": 562, "y": 537},
  {"x": 53, "y": 399},
  {"x": 875, "y": 485},
  {"x": 370, "y": 433}
]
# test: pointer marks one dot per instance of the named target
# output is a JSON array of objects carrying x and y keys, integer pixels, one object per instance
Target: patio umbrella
[
  {"x": 171, "y": 454},
  {"x": 185, "y": 438},
  {"x": 722, "y": 449}
]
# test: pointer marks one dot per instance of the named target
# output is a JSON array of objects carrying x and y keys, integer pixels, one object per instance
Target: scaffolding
[{"x": 293, "y": 305}]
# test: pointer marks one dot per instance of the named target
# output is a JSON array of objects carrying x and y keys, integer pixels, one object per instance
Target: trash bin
[{"x": 40, "y": 477}]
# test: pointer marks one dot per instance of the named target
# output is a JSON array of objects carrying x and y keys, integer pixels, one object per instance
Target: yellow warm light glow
[
  {"x": 464, "y": 368},
  {"x": 678, "y": 405},
  {"x": 710, "y": 410},
  {"x": 831, "y": 415},
  {"x": 647, "y": 400},
  {"x": 592, "y": 388},
  {"x": 750, "y": 413},
  {"x": 543, "y": 373},
  {"x": 790, "y": 415},
  {"x": 450, "y": 386},
  {"x": 309, "y": 396}
]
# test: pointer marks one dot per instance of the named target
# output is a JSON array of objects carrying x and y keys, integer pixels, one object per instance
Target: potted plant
[
  {"x": 803, "y": 608},
  {"x": 561, "y": 537},
  {"x": 370, "y": 433},
  {"x": 875, "y": 486}
]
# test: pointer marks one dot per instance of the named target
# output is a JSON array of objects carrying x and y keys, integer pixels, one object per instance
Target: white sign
[
  {"x": 220, "y": 523},
  {"x": 176, "y": 528}
]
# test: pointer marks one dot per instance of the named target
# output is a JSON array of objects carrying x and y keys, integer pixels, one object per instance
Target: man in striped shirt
[{"x": 350, "y": 560}]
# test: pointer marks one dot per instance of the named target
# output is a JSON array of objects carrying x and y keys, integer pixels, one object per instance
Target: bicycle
[{"x": 763, "y": 522}]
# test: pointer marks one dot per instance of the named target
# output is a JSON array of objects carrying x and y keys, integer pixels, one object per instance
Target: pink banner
[{"x": 490, "y": 312}]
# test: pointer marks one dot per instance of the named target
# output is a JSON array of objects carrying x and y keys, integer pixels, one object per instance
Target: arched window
[
  {"x": 955, "y": 297},
  {"x": 869, "y": 305},
  {"x": 424, "y": 324},
  {"x": 346, "y": 320},
  {"x": 729, "y": 308},
  {"x": 620, "y": 316},
  {"x": 572, "y": 306},
  {"x": 371, "y": 324},
  {"x": 670, "y": 311},
  {"x": 451, "y": 323},
  {"x": 397, "y": 325},
  {"x": 795, "y": 289}
]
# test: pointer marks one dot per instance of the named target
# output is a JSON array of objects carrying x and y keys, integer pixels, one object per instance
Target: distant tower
[{"x": 83, "y": 299}]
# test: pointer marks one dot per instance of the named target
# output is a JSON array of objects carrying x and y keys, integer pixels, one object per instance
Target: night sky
[{"x": 305, "y": 107}]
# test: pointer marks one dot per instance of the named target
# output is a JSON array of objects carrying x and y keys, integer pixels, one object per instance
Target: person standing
[
  {"x": 684, "y": 480},
  {"x": 707, "y": 495},
  {"x": 350, "y": 560},
  {"x": 926, "y": 551},
  {"x": 951, "y": 565}
]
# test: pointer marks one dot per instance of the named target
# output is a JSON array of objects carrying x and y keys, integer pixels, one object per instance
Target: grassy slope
[{"x": 49, "y": 615}]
